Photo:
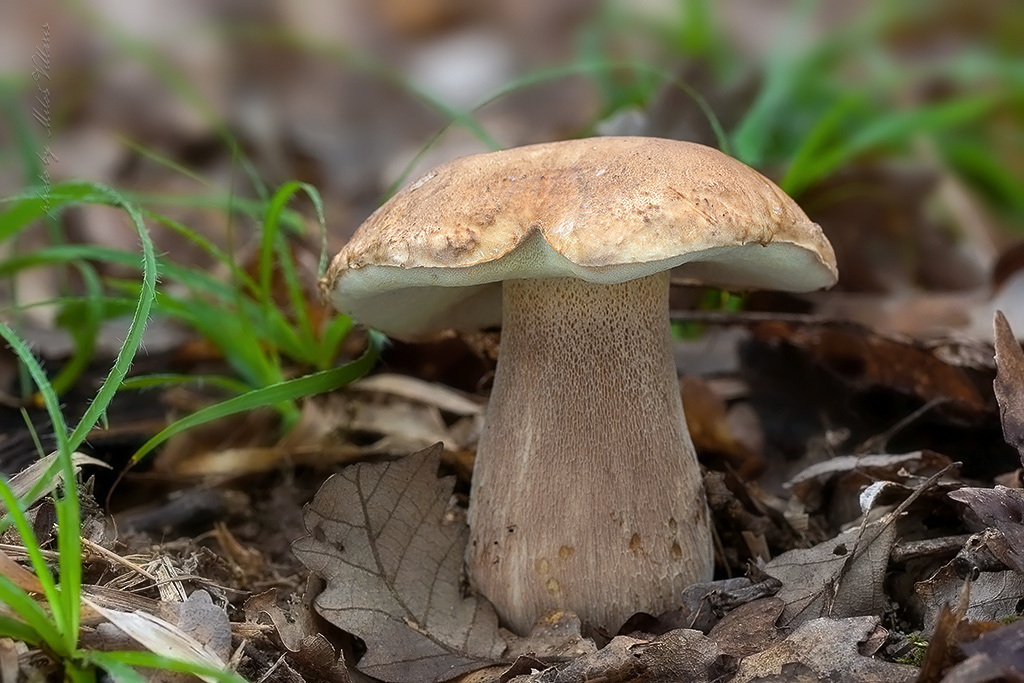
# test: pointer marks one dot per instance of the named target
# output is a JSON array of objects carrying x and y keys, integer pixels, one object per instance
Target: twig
[
  {"x": 117, "y": 559},
  {"x": 929, "y": 547},
  {"x": 751, "y": 318},
  {"x": 266, "y": 676},
  {"x": 878, "y": 442}
]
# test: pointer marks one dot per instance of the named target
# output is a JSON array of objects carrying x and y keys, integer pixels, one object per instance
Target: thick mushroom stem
[{"x": 586, "y": 493}]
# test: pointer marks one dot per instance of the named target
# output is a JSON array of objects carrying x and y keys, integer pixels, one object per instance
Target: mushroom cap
[{"x": 604, "y": 210}]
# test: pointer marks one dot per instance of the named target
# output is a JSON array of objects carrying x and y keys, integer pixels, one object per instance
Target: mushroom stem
[{"x": 587, "y": 494}]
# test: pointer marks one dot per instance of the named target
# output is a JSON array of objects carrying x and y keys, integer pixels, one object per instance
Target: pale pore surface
[{"x": 586, "y": 490}]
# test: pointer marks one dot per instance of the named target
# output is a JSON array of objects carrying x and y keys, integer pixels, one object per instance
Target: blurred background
[{"x": 897, "y": 125}]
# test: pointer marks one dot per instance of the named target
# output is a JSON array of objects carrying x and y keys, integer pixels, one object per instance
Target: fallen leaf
[
  {"x": 1000, "y": 508},
  {"x": 292, "y": 628},
  {"x": 749, "y": 628},
  {"x": 870, "y": 468},
  {"x": 206, "y": 622},
  {"x": 556, "y": 634},
  {"x": 842, "y": 577},
  {"x": 868, "y": 359},
  {"x": 824, "y": 650},
  {"x": 993, "y": 595},
  {"x": 164, "y": 638},
  {"x": 679, "y": 655},
  {"x": 707, "y": 419},
  {"x": 316, "y": 660},
  {"x": 24, "y": 481},
  {"x": 842, "y": 486},
  {"x": 943, "y": 642},
  {"x": 393, "y": 564},
  {"x": 996, "y": 655},
  {"x": 1009, "y": 383},
  {"x": 429, "y": 393},
  {"x": 19, "y": 576}
]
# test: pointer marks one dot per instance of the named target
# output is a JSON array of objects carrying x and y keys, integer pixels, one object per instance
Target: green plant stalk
[
  {"x": 141, "y": 382},
  {"x": 35, "y": 617},
  {"x": 114, "y": 661},
  {"x": 83, "y": 328},
  {"x": 18, "y": 630},
  {"x": 289, "y": 390},
  {"x": 65, "y": 603},
  {"x": 270, "y": 240}
]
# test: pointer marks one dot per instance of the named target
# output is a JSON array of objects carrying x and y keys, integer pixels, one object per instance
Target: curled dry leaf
[
  {"x": 996, "y": 655},
  {"x": 1002, "y": 509},
  {"x": 25, "y": 480},
  {"x": 292, "y": 628},
  {"x": 867, "y": 468},
  {"x": 316, "y": 660},
  {"x": 392, "y": 563},
  {"x": 1009, "y": 383}
]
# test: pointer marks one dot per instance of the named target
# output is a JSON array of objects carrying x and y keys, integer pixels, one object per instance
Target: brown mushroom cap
[{"x": 603, "y": 210}]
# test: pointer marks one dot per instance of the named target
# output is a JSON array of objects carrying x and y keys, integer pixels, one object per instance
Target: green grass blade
[
  {"x": 828, "y": 127},
  {"x": 133, "y": 338},
  {"x": 334, "y": 334},
  {"x": 164, "y": 161},
  {"x": 229, "y": 332},
  {"x": 289, "y": 390},
  {"x": 35, "y": 555},
  {"x": 82, "y": 320},
  {"x": 788, "y": 72},
  {"x": 42, "y": 384},
  {"x": 118, "y": 670},
  {"x": 35, "y": 617},
  {"x": 69, "y": 543},
  {"x": 68, "y": 253},
  {"x": 66, "y": 605},
  {"x": 893, "y": 129},
  {"x": 29, "y": 206},
  {"x": 116, "y": 662},
  {"x": 141, "y": 382},
  {"x": 306, "y": 333},
  {"x": 974, "y": 161},
  {"x": 239, "y": 274},
  {"x": 78, "y": 672},
  {"x": 19, "y": 630},
  {"x": 270, "y": 234}
]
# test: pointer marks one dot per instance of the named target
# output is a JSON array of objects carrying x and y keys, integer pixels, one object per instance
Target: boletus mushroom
[{"x": 586, "y": 492}]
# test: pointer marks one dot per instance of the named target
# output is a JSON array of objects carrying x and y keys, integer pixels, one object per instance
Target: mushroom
[{"x": 586, "y": 493}]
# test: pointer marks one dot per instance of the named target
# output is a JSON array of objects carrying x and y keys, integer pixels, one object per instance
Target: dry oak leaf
[{"x": 392, "y": 564}]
